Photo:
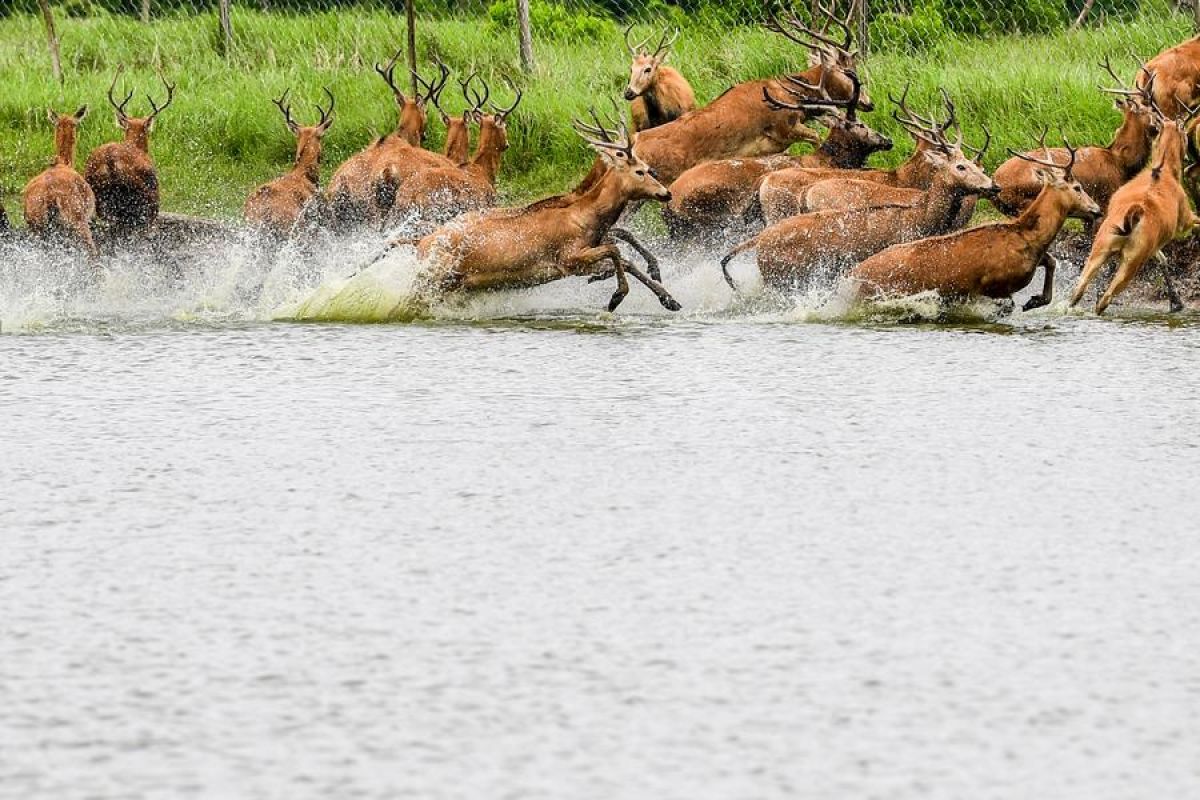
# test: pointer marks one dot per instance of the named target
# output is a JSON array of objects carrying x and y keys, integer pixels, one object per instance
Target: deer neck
[
  {"x": 1130, "y": 145},
  {"x": 411, "y": 126},
  {"x": 488, "y": 153},
  {"x": 139, "y": 138},
  {"x": 308, "y": 160},
  {"x": 911, "y": 171},
  {"x": 604, "y": 202},
  {"x": 650, "y": 98},
  {"x": 64, "y": 145},
  {"x": 1167, "y": 156},
  {"x": 942, "y": 204},
  {"x": 1043, "y": 219},
  {"x": 458, "y": 140},
  {"x": 840, "y": 152}
]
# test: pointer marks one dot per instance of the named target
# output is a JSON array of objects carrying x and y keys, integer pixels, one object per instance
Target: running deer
[
  {"x": 781, "y": 194},
  {"x": 1176, "y": 73},
  {"x": 441, "y": 193},
  {"x": 355, "y": 195},
  {"x": 1101, "y": 170},
  {"x": 711, "y": 196},
  {"x": 658, "y": 94},
  {"x": 122, "y": 174},
  {"x": 282, "y": 206},
  {"x": 1144, "y": 216},
  {"x": 995, "y": 260},
  {"x": 509, "y": 249},
  {"x": 790, "y": 251},
  {"x": 58, "y": 203}
]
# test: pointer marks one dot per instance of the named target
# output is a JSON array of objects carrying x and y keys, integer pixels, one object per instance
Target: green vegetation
[{"x": 222, "y": 136}]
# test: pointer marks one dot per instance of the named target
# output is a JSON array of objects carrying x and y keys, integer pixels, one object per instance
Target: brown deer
[
  {"x": 781, "y": 194},
  {"x": 281, "y": 206},
  {"x": 1176, "y": 74},
  {"x": 716, "y": 194},
  {"x": 790, "y": 251},
  {"x": 658, "y": 94},
  {"x": 1101, "y": 170},
  {"x": 995, "y": 260},
  {"x": 518, "y": 248},
  {"x": 458, "y": 129},
  {"x": 1144, "y": 216},
  {"x": 58, "y": 203},
  {"x": 441, "y": 193},
  {"x": 356, "y": 195},
  {"x": 122, "y": 174}
]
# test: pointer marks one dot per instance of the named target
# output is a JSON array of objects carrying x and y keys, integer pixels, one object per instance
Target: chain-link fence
[{"x": 1011, "y": 64}]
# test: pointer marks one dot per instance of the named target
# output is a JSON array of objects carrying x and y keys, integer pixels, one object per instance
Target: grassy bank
[{"x": 223, "y": 136}]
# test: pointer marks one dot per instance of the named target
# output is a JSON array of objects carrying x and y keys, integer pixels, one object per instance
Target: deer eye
[{"x": 962, "y": 168}]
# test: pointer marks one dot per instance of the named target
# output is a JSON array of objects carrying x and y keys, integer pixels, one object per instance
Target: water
[{"x": 527, "y": 549}]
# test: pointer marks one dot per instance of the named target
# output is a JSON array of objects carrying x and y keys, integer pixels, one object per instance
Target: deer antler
[
  {"x": 388, "y": 73},
  {"x": 1048, "y": 161},
  {"x": 504, "y": 112},
  {"x": 664, "y": 44},
  {"x": 157, "y": 109},
  {"x": 326, "y": 115},
  {"x": 607, "y": 139},
  {"x": 799, "y": 30},
  {"x": 639, "y": 48},
  {"x": 979, "y": 151},
  {"x": 1106, "y": 65},
  {"x": 120, "y": 107},
  {"x": 848, "y": 41},
  {"x": 435, "y": 87},
  {"x": 285, "y": 108}
]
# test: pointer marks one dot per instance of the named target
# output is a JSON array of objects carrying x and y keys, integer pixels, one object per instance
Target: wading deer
[
  {"x": 542, "y": 243},
  {"x": 441, "y": 193},
  {"x": 781, "y": 194},
  {"x": 283, "y": 205},
  {"x": 1144, "y": 216},
  {"x": 122, "y": 174},
  {"x": 58, "y": 203},
  {"x": 1101, "y": 170},
  {"x": 1176, "y": 73},
  {"x": 658, "y": 94},
  {"x": 357, "y": 193},
  {"x": 995, "y": 260},
  {"x": 790, "y": 251},
  {"x": 711, "y": 196}
]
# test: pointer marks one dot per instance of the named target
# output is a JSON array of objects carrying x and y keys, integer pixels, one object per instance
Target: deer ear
[
  {"x": 81, "y": 113},
  {"x": 50, "y": 115}
]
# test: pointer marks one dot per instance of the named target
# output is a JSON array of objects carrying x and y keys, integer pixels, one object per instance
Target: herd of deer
[{"x": 719, "y": 168}]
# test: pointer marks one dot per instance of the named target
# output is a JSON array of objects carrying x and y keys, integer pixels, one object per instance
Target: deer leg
[
  {"x": 651, "y": 262},
  {"x": 664, "y": 297},
  {"x": 1129, "y": 268},
  {"x": 1038, "y": 300},
  {"x": 593, "y": 255},
  {"x": 1095, "y": 261},
  {"x": 1172, "y": 293}
]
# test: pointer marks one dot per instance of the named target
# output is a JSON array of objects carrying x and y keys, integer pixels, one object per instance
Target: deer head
[
  {"x": 947, "y": 159},
  {"x": 66, "y": 133},
  {"x": 137, "y": 129},
  {"x": 308, "y": 138},
  {"x": 493, "y": 127},
  {"x": 812, "y": 103},
  {"x": 643, "y": 71},
  {"x": 1135, "y": 104},
  {"x": 637, "y": 179},
  {"x": 836, "y": 55},
  {"x": 413, "y": 116},
  {"x": 1060, "y": 178}
]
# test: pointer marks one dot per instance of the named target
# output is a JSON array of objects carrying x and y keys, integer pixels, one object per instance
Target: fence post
[
  {"x": 145, "y": 11},
  {"x": 863, "y": 33},
  {"x": 526, "y": 35},
  {"x": 412, "y": 44},
  {"x": 226, "y": 20},
  {"x": 1196, "y": 15},
  {"x": 52, "y": 40}
]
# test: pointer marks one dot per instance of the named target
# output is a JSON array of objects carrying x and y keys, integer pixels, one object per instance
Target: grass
[{"x": 222, "y": 136}]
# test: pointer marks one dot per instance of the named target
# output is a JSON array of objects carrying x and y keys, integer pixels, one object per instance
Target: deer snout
[
  {"x": 664, "y": 196},
  {"x": 630, "y": 94},
  {"x": 991, "y": 190}
]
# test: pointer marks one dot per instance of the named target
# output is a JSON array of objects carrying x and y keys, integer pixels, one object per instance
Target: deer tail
[
  {"x": 749, "y": 244},
  {"x": 1133, "y": 215}
]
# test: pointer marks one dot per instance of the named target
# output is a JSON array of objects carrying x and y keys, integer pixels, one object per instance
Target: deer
[
  {"x": 356, "y": 194},
  {"x": 59, "y": 204},
  {"x": 122, "y": 174},
  {"x": 781, "y": 194},
  {"x": 994, "y": 260},
  {"x": 716, "y": 194},
  {"x": 278, "y": 208},
  {"x": 1176, "y": 73},
  {"x": 458, "y": 129},
  {"x": 658, "y": 94},
  {"x": 515, "y": 248},
  {"x": 441, "y": 193},
  {"x": 1101, "y": 170},
  {"x": 1144, "y": 216},
  {"x": 789, "y": 251}
]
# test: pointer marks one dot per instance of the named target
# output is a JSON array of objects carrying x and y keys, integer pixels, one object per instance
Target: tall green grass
[{"x": 222, "y": 136}]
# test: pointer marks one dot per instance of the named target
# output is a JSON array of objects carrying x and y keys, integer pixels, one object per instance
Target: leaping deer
[
  {"x": 122, "y": 174},
  {"x": 1144, "y": 216},
  {"x": 516, "y": 248},
  {"x": 658, "y": 94},
  {"x": 278, "y": 208},
  {"x": 441, "y": 193},
  {"x": 59, "y": 203},
  {"x": 1101, "y": 170}
]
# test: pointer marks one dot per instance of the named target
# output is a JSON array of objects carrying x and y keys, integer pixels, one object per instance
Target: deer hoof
[
  {"x": 616, "y": 300},
  {"x": 1037, "y": 301},
  {"x": 669, "y": 303},
  {"x": 1176, "y": 306}
]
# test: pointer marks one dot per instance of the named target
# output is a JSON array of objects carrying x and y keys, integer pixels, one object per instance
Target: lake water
[{"x": 531, "y": 550}]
